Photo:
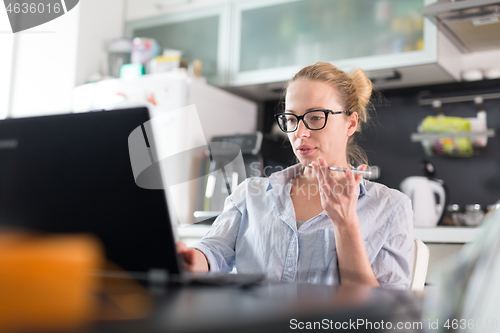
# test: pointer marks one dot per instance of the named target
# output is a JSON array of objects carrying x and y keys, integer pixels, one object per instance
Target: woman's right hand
[{"x": 193, "y": 260}]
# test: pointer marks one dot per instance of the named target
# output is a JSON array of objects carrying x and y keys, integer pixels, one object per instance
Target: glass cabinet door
[
  {"x": 273, "y": 39},
  {"x": 200, "y": 34}
]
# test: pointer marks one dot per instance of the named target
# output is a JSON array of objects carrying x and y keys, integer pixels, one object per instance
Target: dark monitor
[{"x": 72, "y": 173}]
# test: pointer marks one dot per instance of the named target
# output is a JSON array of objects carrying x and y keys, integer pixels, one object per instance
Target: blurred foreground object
[
  {"x": 45, "y": 281},
  {"x": 469, "y": 286},
  {"x": 50, "y": 283}
]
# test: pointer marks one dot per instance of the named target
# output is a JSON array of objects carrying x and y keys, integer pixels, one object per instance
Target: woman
[{"x": 308, "y": 223}]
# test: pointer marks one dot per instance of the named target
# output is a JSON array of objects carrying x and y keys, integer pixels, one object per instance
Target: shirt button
[{"x": 290, "y": 270}]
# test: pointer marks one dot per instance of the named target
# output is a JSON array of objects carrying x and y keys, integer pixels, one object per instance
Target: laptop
[{"x": 72, "y": 173}]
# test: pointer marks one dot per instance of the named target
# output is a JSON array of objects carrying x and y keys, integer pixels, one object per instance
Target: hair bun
[{"x": 363, "y": 87}]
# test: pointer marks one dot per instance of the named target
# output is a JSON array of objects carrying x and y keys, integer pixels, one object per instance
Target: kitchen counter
[
  {"x": 192, "y": 230},
  {"x": 446, "y": 234},
  {"x": 192, "y": 233}
]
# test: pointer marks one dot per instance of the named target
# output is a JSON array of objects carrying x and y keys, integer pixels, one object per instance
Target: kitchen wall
[
  {"x": 388, "y": 145},
  {"x": 5, "y": 66},
  {"x": 96, "y": 29},
  {"x": 40, "y": 67}
]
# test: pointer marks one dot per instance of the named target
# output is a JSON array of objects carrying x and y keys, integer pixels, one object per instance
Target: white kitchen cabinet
[
  {"x": 272, "y": 40},
  {"x": 142, "y": 9},
  {"x": 200, "y": 33},
  {"x": 444, "y": 245},
  {"x": 439, "y": 254},
  {"x": 451, "y": 235},
  {"x": 253, "y": 46}
]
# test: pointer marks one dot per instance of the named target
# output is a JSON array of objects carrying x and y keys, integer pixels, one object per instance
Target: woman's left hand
[{"x": 339, "y": 192}]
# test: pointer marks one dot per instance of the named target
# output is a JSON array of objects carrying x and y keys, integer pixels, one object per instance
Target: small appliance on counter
[
  {"x": 428, "y": 197},
  {"x": 471, "y": 217},
  {"x": 261, "y": 156}
]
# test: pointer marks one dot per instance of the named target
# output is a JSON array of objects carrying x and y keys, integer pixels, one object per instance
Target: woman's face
[{"x": 330, "y": 142}]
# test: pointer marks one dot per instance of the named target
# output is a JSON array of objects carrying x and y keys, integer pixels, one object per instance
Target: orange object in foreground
[{"x": 46, "y": 281}]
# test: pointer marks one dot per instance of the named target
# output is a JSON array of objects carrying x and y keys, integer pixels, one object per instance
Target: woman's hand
[
  {"x": 193, "y": 259},
  {"x": 339, "y": 192},
  {"x": 339, "y": 197}
]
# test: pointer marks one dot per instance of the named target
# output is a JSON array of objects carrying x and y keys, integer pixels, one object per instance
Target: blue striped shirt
[{"x": 257, "y": 233}]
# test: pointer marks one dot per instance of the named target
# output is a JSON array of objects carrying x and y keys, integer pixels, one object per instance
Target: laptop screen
[{"x": 72, "y": 173}]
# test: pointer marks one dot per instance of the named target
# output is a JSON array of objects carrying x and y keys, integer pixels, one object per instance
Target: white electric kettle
[{"x": 428, "y": 199}]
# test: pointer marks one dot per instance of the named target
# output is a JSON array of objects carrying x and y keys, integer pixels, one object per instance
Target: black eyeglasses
[{"x": 314, "y": 120}]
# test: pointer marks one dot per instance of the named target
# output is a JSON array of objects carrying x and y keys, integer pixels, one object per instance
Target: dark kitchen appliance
[
  {"x": 232, "y": 159},
  {"x": 428, "y": 196}
]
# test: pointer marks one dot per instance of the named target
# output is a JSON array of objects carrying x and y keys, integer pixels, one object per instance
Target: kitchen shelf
[
  {"x": 417, "y": 137},
  {"x": 446, "y": 234},
  {"x": 456, "y": 99}
]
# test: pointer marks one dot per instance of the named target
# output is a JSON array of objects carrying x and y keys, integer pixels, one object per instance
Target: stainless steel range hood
[{"x": 472, "y": 25}]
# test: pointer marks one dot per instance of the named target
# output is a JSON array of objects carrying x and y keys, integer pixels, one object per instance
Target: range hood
[{"x": 472, "y": 25}]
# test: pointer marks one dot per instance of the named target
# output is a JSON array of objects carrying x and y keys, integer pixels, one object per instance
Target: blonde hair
[{"x": 354, "y": 90}]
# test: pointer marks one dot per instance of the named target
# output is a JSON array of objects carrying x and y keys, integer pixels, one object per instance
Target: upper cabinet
[
  {"x": 248, "y": 46},
  {"x": 299, "y": 32},
  {"x": 274, "y": 39},
  {"x": 200, "y": 33}
]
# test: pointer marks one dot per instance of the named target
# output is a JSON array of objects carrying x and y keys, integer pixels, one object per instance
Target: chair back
[{"x": 419, "y": 264}]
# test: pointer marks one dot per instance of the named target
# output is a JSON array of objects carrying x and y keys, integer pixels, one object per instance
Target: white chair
[{"x": 419, "y": 263}]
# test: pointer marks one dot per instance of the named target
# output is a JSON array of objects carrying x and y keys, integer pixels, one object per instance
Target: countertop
[{"x": 446, "y": 234}]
